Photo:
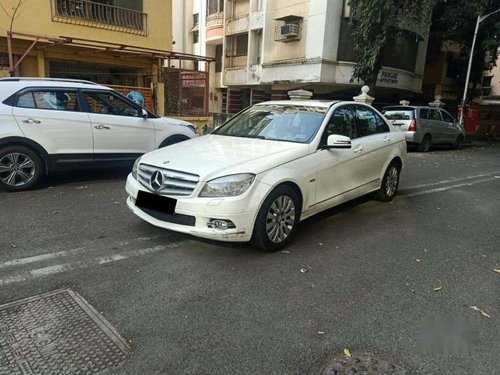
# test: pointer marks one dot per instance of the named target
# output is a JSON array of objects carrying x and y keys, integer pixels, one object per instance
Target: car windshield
[
  {"x": 291, "y": 123},
  {"x": 400, "y": 114}
]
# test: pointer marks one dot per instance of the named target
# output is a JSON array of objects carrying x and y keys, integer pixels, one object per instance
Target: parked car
[
  {"x": 268, "y": 168},
  {"x": 51, "y": 124},
  {"x": 426, "y": 126}
]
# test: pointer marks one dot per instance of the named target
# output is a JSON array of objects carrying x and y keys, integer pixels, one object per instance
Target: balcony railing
[
  {"x": 215, "y": 20},
  {"x": 89, "y": 13}
]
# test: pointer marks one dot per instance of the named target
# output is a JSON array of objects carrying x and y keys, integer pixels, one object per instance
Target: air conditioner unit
[{"x": 289, "y": 30}]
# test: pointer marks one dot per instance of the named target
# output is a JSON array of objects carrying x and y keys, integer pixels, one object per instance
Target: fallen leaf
[
  {"x": 496, "y": 270},
  {"x": 320, "y": 243},
  {"x": 55, "y": 212},
  {"x": 438, "y": 289},
  {"x": 321, "y": 333},
  {"x": 304, "y": 270},
  {"x": 116, "y": 202},
  {"x": 418, "y": 260},
  {"x": 14, "y": 246},
  {"x": 286, "y": 252},
  {"x": 483, "y": 313},
  {"x": 347, "y": 353}
]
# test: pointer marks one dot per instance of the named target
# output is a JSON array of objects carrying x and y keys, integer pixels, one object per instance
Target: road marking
[
  {"x": 430, "y": 191},
  {"x": 452, "y": 180},
  {"x": 59, "y": 268},
  {"x": 42, "y": 257}
]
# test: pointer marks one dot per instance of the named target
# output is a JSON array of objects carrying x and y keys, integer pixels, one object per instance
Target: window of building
[
  {"x": 196, "y": 36},
  {"x": 215, "y": 6},
  {"x": 218, "y": 58},
  {"x": 196, "y": 19},
  {"x": 237, "y": 45},
  {"x": 288, "y": 29}
]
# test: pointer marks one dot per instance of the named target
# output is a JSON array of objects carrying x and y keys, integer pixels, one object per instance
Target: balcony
[
  {"x": 238, "y": 25},
  {"x": 215, "y": 21},
  {"x": 93, "y": 14}
]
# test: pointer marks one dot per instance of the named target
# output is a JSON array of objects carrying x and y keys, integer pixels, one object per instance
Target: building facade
[{"x": 114, "y": 42}]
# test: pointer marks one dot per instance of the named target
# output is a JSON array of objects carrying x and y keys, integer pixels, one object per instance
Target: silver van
[{"x": 426, "y": 126}]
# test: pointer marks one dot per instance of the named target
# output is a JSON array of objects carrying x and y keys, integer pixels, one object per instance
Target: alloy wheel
[
  {"x": 280, "y": 219},
  {"x": 16, "y": 169},
  {"x": 391, "y": 183}
]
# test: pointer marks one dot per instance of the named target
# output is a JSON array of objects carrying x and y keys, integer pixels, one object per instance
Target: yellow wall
[{"x": 36, "y": 18}]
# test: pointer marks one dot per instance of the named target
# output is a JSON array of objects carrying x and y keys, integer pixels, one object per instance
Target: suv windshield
[
  {"x": 291, "y": 123},
  {"x": 399, "y": 114}
]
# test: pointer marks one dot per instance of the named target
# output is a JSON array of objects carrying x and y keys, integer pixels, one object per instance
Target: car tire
[
  {"x": 425, "y": 145},
  {"x": 390, "y": 183},
  {"x": 173, "y": 140},
  {"x": 459, "y": 142},
  {"x": 20, "y": 168},
  {"x": 277, "y": 220}
]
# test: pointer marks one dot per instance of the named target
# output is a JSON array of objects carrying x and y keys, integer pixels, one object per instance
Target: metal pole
[{"x": 464, "y": 98}]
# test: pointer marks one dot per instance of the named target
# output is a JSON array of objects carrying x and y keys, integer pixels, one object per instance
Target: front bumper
[{"x": 203, "y": 210}]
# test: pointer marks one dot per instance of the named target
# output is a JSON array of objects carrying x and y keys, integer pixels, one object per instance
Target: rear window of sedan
[
  {"x": 399, "y": 114},
  {"x": 290, "y": 123}
]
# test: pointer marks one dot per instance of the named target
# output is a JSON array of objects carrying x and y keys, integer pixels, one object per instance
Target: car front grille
[{"x": 174, "y": 182}]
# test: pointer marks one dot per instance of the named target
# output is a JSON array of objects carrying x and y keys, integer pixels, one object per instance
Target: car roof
[
  {"x": 17, "y": 83},
  {"x": 305, "y": 103}
]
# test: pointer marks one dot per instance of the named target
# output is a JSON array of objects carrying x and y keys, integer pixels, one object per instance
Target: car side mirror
[
  {"x": 144, "y": 114},
  {"x": 338, "y": 141}
]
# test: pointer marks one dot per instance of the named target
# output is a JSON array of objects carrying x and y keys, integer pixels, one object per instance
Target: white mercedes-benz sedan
[{"x": 267, "y": 169}]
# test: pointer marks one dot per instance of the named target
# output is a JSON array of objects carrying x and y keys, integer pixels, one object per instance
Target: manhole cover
[
  {"x": 57, "y": 333},
  {"x": 364, "y": 364}
]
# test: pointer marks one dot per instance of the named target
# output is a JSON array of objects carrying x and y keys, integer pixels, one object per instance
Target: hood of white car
[
  {"x": 172, "y": 121},
  {"x": 213, "y": 156}
]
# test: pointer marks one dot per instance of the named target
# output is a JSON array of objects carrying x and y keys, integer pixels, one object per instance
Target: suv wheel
[
  {"x": 20, "y": 168},
  {"x": 459, "y": 142},
  {"x": 425, "y": 146},
  {"x": 277, "y": 220}
]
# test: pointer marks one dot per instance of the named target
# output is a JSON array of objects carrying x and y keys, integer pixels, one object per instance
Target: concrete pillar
[
  {"x": 364, "y": 97},
  {"x": 40, "y": 56},
  {"x": 300, "y": 94},
  {"x": 437, "y": 103},
  {"x": 160, "y": 98}
]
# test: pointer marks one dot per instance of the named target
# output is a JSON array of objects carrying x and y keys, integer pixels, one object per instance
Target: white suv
[{"x": 52, "y": 124}]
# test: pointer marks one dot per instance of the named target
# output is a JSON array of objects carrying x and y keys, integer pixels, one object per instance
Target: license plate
[{"x": 156, "y": 202}]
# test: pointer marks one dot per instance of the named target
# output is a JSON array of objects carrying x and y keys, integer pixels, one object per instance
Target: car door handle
[
  {"x": 100, "y": 127},
  {"x": 387, "y": 139},
  {"x": 358, "y": 149},
  {"x": 32, "y": 121}
]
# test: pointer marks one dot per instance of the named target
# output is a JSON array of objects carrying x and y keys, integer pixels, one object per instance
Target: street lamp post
[{"x": 464, "y": 98}]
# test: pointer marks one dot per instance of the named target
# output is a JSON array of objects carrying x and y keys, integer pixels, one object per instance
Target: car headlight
[
  {"x": 136, "y": 167},
  {"x": 228, "y": 186}
]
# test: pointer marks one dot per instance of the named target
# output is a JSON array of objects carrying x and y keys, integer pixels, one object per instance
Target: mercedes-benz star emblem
[{"x": 156, "y": 180}]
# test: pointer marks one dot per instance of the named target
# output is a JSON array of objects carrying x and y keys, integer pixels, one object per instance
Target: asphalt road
[{"x": 188, "y": 306}]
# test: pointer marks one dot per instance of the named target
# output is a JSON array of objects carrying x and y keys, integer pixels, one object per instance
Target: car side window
[
  {"x": 59, "y": 100},
  {"x": 341, "y": 122},
  {"x": 447, "y": 117},
  {"x": 368, "y": 122},
  {"x": 435, "y": 115},
  {"x": 424, "y": 114},
  {"x": 109, "y": 104}
]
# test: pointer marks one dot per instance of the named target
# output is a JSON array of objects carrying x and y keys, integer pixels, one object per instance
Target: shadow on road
[{"x": 83, "y": 176}]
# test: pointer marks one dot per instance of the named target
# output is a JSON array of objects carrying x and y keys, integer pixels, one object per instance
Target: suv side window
[
  {"x": 59, "y": 100},
  {"x": 447, "y": 117},
  {"x": 424, "y": 114},
  {"x": 368, "y": 122},
  {"x": 341, "y": 122},
  {"x": 104, "y": 102},
  {"x": 435, "y": 115}
]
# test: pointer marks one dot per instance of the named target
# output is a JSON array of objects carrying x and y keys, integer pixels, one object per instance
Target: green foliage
[
  {"x": 374, "y": 22},
  {"x": 455, "y": 22}
]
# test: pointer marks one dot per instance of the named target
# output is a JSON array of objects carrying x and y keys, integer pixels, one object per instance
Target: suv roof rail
[{"x": 19, "y": 79}]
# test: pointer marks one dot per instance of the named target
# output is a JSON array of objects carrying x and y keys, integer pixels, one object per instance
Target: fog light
[{"x": 220, "y": 224}]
